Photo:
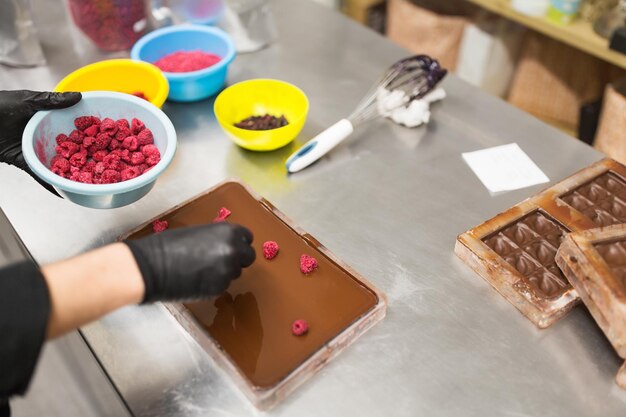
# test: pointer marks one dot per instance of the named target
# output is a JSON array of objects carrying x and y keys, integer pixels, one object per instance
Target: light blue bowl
[
  {"x": 193, "y": 85},
  {"x": 39, "y": 142}
]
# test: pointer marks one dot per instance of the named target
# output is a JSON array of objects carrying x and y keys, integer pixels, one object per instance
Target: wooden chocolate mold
[
  {"x": 594, "y": 262},
  {"x": 514, "y": 250}
]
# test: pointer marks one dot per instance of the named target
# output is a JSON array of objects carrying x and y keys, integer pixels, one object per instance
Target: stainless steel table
[{"x": 390, "y": 203}]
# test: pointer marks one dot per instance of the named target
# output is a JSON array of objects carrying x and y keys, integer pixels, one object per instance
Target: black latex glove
[
  {"x": 16, "y": 109},
  {"x": 192, "y": 262}
]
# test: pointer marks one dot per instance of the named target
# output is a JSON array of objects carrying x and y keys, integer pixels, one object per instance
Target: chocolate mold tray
[
  {"x": 594, "y": 261},
  {"x": 247, "y": 330},
  {"x": 514, "y": 251}
]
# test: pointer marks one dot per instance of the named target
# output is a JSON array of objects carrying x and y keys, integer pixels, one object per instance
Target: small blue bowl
[
  {"x": 39, "y": 143},
  {"x": 193, "y": 85}
]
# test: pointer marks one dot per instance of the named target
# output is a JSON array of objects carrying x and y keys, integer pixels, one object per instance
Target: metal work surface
[{"x": 389, "y": 203}]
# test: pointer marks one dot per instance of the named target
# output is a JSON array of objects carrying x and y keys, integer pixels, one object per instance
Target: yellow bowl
[
  {"x": 121, "y": 75},
  {"x": 256, "y": 98}
]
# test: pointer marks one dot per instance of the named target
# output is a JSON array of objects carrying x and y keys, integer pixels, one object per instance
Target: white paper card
[{"x": 504, "y": 168}]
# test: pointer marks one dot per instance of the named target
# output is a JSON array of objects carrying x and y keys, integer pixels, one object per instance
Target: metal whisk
[{"x": 414, "y": 76}]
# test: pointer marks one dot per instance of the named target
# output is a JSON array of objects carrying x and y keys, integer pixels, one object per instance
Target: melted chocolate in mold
[
  {"x": 529, "y": 245},
  {"x": 603, "y": 199},
  {"x": 252, "y": 321},
  {"x": 614, "y": 254}
]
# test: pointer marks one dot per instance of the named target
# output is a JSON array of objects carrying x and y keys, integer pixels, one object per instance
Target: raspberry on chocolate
[
  {"x": 270, "y": 249},
  {"x": 222, "y": 214},
  {"x": 307, "y": 264},
  {"x": 159, "y": 226},
  {"x": 299, "y": 327}
]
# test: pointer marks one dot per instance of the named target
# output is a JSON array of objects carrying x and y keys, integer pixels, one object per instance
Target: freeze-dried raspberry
[
  {"x": 307, "y": 264},
  {"x": 60, "y": 165},
  {"x": 102, "y": 141},
  {"x": 122, "y": 124},
  {"x": 130, "y": 143},
  {"x": 76, "y": 136},
  {"x": 137, "y": 158},
  {"x": 89, "y": 141},
  {"x": 145, "y": 137},
  {"x": 89, "y": 166},
  {"x": 299, "y": 327},
  {"x": 143, "y": 167},
  {"x": 112, "y": 162},
  {"x": 159, "y": 226},
  {"x": 152, "y": 160},
  {"x": 129, "y": 173},
  {"x": 85, "y": 177},
  {"x": 110, "y": 176},
  {"x": 122, "y": 133},
  {"x": 61, "y": 138},
  {"x": 67, "y": 149},
  {"x": 92, "y": 131},
  {"x": 125, "y": 155},
  {"x": 108, "y": 126},
  {"x": 150, "y": 150},
  {"x": 115, "y": 144},
  {"x": 79, "y": 159},
  {"x": 98, "y": 156},
  {"x": 222, "y": 214},
  {"x": 84, "y": 122},
  {"x": 99, "y": 168},
  {"x": 270, "y": 249},
  {"x": 136, "y": 126},
  {"x": 74, "y": 176}
]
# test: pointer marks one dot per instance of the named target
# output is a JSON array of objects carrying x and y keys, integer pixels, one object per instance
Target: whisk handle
[{"x": 319, "y": 146}]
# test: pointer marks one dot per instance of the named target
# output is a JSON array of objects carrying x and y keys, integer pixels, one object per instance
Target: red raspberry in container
[
  {"x": 89, "y": 141},
  {"x": 108, "y": 126},
  {"x": 125, "y": 155},
  {"x": 222, "y": 214},
  {"x": 112, "y": 162},
  {"x": 84, "y": 122},
  {"x": 115, "y": 144},
  {"x": 307, "y": 264},
  {"x": 67, "y": 149},
  {"x": 61, "y": 138},
  {"x": 98, "y": 156},
  {"x": 102, "y": 141},
  {"x": 143, "y": 167},
  {"x": 145, "y": 137},
  {"x": 136, "y": 126},
  {"x": 79, "y": 159},
  {"x": 92, "y": 130},
  {"x": 122, "y": 124},
  {"x": 137, "y": 158},
  {"x": 131, "y": 143},
  {"x": 159, "y": 226},
  {"x": 85, "y": 177},
  {"x": 270, "y": 249},
  {"x": 59, "y": 165},
  {"x": 129, "y": 173},
  {"x": 122, "y": 133},
  {"x": 110, "y": 176},
  {"x": 89, "y": 166},
  {"x": 299, "y": 327},
  {"x": 99, "y": 168},
  {"x": 76, "y": 136}
]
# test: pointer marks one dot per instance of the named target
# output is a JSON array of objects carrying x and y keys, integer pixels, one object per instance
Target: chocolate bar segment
[
  {"x": 594, "y": 262},
  {"x": 514, "y": 251}
]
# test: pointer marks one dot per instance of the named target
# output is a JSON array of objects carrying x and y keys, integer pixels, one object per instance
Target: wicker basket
[
  {"x": 553, "y": 80},
  {"x": 425, "y": 32},
  {"x": 611, "y": 135}
]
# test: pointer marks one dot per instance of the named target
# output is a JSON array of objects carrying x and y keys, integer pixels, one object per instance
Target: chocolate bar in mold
[
  {"x": 594, "y": 262},
  {"x": 514, "y": 251}
]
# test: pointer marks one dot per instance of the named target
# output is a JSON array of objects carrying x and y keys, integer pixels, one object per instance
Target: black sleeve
[{"x": 24, "y": 311}]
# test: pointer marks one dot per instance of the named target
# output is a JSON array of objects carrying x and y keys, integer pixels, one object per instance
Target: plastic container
[
  {"x": 536, "y": 8},
  {"x": 38, "y": 146},
  {"x": 193, "y": 85},
  {"x": 112, "y": 25},
  {"x": 256, "y": 98},
  {"x": 121, "y": 75},
  {"x": 563, "y": 11}
]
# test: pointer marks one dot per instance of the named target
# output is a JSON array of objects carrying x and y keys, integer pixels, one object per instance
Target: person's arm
[{"x": 89, "y": 286}]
